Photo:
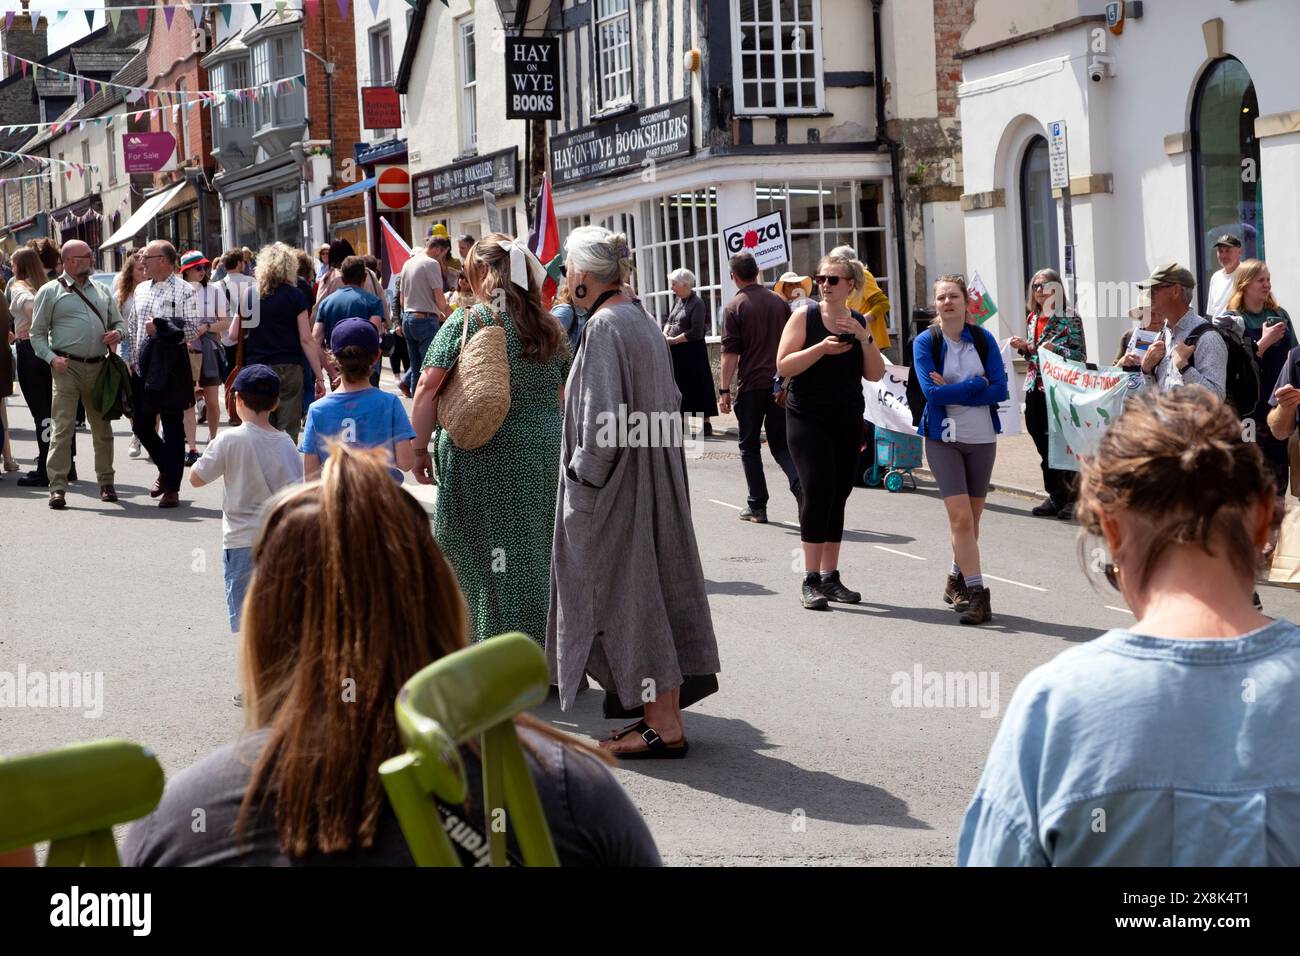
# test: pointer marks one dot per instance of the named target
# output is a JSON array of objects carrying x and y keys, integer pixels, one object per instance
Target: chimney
[{"x": 23, "y": 41}]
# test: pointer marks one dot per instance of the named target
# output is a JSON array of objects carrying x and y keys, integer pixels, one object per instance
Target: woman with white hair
[
  {"x": 685, "y": 329},
  {"x": 281, "y": 336},
  {"x": 628, "y": 604}
]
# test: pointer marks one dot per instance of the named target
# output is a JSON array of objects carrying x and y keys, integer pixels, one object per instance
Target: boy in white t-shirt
[{"x": 256, "y": 460}]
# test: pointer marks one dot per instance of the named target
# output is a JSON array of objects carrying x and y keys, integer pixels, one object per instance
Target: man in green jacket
[{"x": 75, "y": 322}]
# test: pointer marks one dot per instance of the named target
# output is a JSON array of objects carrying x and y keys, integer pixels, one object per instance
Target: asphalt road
[{"x": 811, "y": 753}]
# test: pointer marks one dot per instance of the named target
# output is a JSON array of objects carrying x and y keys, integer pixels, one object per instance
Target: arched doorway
[
  {"x": 1228, "y": 193},
  {"x": 1041, "y": 248}
]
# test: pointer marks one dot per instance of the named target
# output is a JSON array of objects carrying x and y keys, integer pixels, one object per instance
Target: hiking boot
[
  {"x": 58, "y": 500},
  {"x": 956, "y": 593},
  {"x": 979, "y": 611},
  {"x": 834, "y": 590},
  {"x": 1048, "y": 509},
  {"x": 756, "y": 515},
  {"x": 812, "y": 596}
]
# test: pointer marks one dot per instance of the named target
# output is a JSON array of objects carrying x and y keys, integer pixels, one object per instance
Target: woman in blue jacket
[{"x": 961, "y": 372}]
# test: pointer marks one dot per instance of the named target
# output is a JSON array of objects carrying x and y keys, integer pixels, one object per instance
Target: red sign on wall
[
  {"x": 393, "y": 187},
  {"x": 381, "y": 107}
]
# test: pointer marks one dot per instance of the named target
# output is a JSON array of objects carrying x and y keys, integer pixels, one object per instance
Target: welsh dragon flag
[
  {"x": 544, "y": 240},
  {"x": 981, "y": 305}
]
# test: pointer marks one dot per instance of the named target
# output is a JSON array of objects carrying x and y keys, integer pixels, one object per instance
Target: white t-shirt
[
  {"x": 256, "y": 463},
  {"x": 1216, "y": 300},
  {"x": 970, "y": 423}
]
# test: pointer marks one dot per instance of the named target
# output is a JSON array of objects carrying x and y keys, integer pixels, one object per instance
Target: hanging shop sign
[
  {"x": 533, "y": 78},
  {"x": 149, "y": 152},
  {"x": 463, "y": 183},
  {"x": 628, "y": 142},
  {"x": 381, "y": 107}
]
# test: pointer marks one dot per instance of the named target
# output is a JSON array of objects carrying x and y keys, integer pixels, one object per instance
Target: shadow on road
[
  {"x": 742, "y": 588},
  {"x": 726, "y": 760},
  {"x": 931, "y": 492},
  {"x": 945, "y": 617},
  {"x": 857, "y": 537}
]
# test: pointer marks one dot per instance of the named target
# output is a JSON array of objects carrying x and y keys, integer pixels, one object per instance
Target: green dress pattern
[{"x": 494, "y": 517}]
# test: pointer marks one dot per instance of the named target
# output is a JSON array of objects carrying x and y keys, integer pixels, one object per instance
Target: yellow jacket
[{"x": 874, "y": 304}]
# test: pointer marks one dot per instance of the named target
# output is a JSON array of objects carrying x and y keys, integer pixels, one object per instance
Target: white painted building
[{"x": 1184, "y": 126}]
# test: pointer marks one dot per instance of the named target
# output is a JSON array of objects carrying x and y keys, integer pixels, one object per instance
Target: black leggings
[{"x": 825, "y": 449}]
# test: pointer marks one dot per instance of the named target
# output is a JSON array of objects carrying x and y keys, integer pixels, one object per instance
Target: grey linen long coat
[{"x": 627, "y": 590}]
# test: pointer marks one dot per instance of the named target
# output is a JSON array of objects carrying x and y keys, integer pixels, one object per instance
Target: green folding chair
[
  {"x": 475, "y": 692},
  {"x": 73, "y": 797}
]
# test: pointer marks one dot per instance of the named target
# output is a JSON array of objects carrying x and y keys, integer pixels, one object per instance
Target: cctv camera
[{"x": 1099, "y": 67}]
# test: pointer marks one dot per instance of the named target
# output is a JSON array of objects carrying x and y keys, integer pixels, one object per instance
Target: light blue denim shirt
[{"x": 1146, "y": 751}]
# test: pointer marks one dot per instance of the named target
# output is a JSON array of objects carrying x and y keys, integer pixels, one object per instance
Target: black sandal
[{"x": 656, "y": 748}]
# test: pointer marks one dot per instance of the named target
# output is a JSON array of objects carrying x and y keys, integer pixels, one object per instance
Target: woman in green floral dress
[{"x": 494, "y": 517}]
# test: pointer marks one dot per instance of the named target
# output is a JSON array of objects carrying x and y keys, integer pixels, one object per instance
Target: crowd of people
[{"x": 545, "y": 525}]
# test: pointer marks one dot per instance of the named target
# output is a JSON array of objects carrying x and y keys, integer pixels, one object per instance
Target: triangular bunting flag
[
  {"x": 225, "y": 13},
  {"x": 343, "y": 9},
  {"x": 115, "y": 15},
  {"x": 168, "y": 13},
  {"x": 90, "y": 19},
  {"x": 374, "y": 8},
  {"x": 24, "y": 62},
  {"x": 142, "y": 14},
  {"x": 257, "y": 11},
  {"x": 313, "y": 9},
  {"x": 36, "y": 18},
  {"x": 279, "y": 7},
  {"x": 58, "y": 18},
  {"x": 9, "y": 19}
]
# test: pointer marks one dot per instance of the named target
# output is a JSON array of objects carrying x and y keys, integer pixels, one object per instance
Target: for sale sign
[
  {"x": 148, "y": 152},
  {"x": 533, "y": 78},
  {"x": 764, "y": 238}
]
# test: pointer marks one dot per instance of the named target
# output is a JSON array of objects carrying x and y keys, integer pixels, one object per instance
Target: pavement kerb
[{"x": 1003, "y": 487}]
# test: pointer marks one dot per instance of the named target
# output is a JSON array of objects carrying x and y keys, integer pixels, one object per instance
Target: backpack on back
[
  {"x": 936, "y": 347},
  {"x": 1241, "y": 377}
]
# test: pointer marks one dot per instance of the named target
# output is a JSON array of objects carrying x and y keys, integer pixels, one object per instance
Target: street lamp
[{"x": 298, "y": 151}]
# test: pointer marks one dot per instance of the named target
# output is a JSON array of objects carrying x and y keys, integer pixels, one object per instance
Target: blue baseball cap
[
  {"x": 356, "y": 333},
  {"x": 257, "y": 380}
]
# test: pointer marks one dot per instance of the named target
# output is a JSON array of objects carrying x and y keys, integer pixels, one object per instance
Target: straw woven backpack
[{"x": 475, "y": 395}]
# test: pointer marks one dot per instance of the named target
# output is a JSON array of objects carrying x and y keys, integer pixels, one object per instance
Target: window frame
[
  {"x": 1034, "y": 142},
  {"x": 738, "y": 68},
  {"x": 468, "y": 111},
  {"x": 384, "y": 30},
  {"x": 622, "y": 101}
]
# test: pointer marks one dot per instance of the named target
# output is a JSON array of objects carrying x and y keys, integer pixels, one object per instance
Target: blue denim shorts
[{"x": 237, "y": 564}]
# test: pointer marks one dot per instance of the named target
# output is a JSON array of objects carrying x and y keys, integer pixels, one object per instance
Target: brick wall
[
  {"x": 170, "y": 59},
  {"x": 333, "y": 37},
  {"x": 23, "y": 41},
  {"x": 951, "y": 20}
]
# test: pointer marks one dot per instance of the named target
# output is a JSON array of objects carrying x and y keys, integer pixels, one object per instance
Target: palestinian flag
[
  {"x": 395, "y": 247},
  {"x": 980, "y": 303},
  {"x": 544, "y": 240}
]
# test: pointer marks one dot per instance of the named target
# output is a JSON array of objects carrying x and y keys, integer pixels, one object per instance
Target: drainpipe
[{"x": 896, "y": 172}]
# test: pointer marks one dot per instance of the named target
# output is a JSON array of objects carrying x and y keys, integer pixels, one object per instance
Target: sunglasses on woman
[
  {"x": 827, "y": 280},
  {"x": 1039, "y": 287}
]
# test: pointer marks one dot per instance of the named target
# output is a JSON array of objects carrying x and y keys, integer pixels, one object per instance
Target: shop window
[
  {"x": 1040, "y": 246},
  {"x": 288, "y": 217},
  {"x": 779, "y": 65},
  {"x": 823, "y": 214},
  {"x": 111, "y": 141},
  {"x": 180, "y": 119},
  {"x": 613, "y": 33},
  {"x": 468, "y": 84},
  {"x": 1229, "y": 193},
  {"x": 86, "y": 177},
  {"x": 232, "y": 113},
  {"x": 678, "y": 231},
  {"x": 279, "y": 58},
  {"x": 381, "y": 56}
]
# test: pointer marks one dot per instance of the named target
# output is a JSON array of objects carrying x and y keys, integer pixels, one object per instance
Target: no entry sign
[
  {"x": 392, "y": 187},
  {"x": 763, "y": 238}
]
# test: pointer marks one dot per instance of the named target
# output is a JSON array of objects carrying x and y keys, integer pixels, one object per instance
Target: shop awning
[
  {"x": 345, "y": 192},
  {"x": 142, "y": 216}
]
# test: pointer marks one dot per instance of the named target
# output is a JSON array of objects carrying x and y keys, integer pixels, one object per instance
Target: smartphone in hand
[{"x": 846, "y": 337}]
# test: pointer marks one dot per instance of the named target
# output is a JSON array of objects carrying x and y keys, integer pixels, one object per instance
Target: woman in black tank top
[{"x": 824, "y": 354}]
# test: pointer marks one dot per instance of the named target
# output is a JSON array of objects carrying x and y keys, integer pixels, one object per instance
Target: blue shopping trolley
[{"x": 897, "y": 453}]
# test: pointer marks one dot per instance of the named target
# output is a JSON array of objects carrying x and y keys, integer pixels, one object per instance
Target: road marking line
[
  {"x": 1019, "y": 584},
  {"x": 1122, "y": 610},
  {"x": 901, "y": 554},
  {"x": 725, "y": 505}
]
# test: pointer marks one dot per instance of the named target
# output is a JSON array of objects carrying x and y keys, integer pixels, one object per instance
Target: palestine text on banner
[
  {"x": 1081, "y": 404},
  {"x": 980, "y": 303}
]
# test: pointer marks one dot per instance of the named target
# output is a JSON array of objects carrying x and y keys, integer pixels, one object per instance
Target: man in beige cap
[{"x": 1170, "y": 361}]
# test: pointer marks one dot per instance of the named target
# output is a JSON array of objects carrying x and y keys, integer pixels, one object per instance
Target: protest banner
[{"x": 1081, "y": 404}]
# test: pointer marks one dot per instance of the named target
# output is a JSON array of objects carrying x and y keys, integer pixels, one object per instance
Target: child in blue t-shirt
[{"x": 357, "y": 413}]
